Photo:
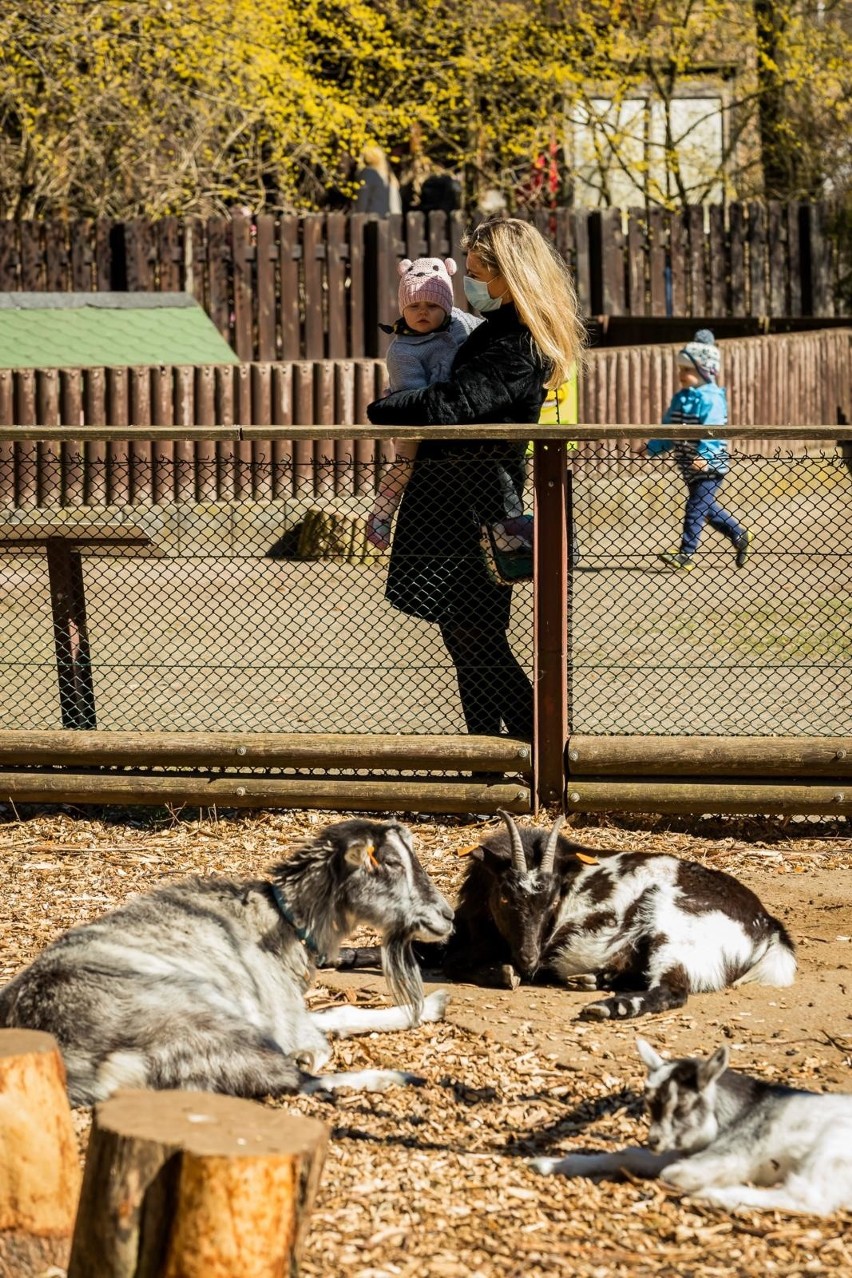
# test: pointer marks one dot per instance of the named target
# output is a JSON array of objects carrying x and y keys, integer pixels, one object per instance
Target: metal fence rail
[{"x": 243, "y": 616}]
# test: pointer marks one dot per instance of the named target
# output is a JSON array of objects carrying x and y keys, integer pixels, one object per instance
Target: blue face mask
[{"x": 476, "y": 292}]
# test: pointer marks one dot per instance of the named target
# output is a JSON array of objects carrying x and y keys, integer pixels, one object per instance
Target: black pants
[{"x": 493, "y": 686}]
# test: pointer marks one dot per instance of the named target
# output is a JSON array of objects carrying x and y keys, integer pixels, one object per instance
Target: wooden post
[
  {"x": 550, "y": 708},
  {"x": 39, "y": 1163},
  {"x": 195, "y": 1185},
  {"x": 70, "y": 634}
]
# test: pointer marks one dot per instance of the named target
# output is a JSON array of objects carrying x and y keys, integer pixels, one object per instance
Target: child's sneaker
[
  {"x": 742, "y": 545},
  {"x": 677, "y": 560}
]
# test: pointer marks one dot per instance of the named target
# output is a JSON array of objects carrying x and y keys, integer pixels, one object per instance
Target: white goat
[{"x": 734, "y": 1140}]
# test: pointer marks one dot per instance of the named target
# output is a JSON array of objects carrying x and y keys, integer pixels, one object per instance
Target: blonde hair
[
  {"x": 541, "y": 288},
  {"x": 373, "y": 157}
]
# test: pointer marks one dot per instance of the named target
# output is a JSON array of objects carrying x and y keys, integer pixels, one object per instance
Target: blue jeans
[{"x": 702, "y": 507}]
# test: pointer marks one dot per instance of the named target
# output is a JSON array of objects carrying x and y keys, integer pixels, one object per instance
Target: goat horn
[
  {"x": 549, "y": 853},
  {"x": 519, "y": 861}
]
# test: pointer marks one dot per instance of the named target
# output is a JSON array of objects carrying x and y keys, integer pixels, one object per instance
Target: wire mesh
[{"x": 203, "y": 607}]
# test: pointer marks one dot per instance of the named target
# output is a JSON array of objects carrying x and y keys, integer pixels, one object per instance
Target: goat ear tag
[
  {"x": 586, "y": 858},
  {"x": 471, "y": 847}
]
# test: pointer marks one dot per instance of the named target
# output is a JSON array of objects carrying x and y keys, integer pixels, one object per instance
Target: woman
[{"x": 531, "y": 338}]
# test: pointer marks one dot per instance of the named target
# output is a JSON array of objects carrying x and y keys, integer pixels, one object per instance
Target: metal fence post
[{"x": 550, "y": 592}]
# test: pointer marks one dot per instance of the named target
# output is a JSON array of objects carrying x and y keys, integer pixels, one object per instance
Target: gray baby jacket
[{"x": 415, "y": 360}]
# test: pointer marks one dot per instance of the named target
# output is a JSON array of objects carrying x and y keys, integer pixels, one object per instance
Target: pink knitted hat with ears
[{"x": 426, "y": 279}]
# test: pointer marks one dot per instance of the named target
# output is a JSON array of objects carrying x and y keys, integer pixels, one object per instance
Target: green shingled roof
[{"x": 97, "y": 330}]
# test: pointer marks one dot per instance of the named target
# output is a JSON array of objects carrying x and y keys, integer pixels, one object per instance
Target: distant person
[
  {"x": 425, "y": 340},
  {"x": 440, "y": 192},
  {"x": 379, "y": 189},
  {"x": 703, "y": 463}
]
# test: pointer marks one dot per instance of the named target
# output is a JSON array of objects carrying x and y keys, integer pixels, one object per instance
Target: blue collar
[{"x": 302, "y": 933}]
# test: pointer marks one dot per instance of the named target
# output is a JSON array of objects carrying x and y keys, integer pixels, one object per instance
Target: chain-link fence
[{"x": 280, "y": 615}]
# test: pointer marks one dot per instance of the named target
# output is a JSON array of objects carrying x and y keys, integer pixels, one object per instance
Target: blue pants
[{"x": 702, "y": 507}]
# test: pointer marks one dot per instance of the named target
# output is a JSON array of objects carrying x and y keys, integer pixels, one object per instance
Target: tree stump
[
  {"x": 195, "y": 1185},
  {"x": 39, "y": 1160}
]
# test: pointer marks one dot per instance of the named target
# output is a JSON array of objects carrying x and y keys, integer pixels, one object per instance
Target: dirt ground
[{"x": 435, "y": 1181}]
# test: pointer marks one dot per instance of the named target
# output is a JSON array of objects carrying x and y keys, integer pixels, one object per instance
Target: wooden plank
[
  {"x": 356, "y": 223},
  {"x": 794, "y": 260},
  {"x": 612, "y": 262},
  {"x": 337, "y": 301},
  {"x": 344, "y": 415},
  {"x": 313, "y": 264},
  {"x": 32, "y": 257},
  {"x": 262, "y": 792},
  {"x": 718, "y": 261},
  {"x": 416, "y": 244},
  {"x": 49, "y": 454},
  {"x": 169, "y": 252},
  {"x": 218, "y": 275},
  {"x": 141, "y": 447},
  {"x": 282, "y": 415},
  {"x": 821, "y": 262},
  {"x": 162, "y": 412},
  {"x": 70, "y": 635},
  {"x": 709, "y": 756},
  {"x": 195, "y": 264},
  {"x": 224, "y": 394},
  {"x": 95, "y": 452},
  {"x": 678, "y": 264},
  {"x": 104, "y": 250},
  {"x": 265, "y": 269},
  {"x": 241, "y": 451},
  {"x": 737, "y": 233},
  {"x": 26, "y": 454},
  {"x": 261, "y": 449},
  {"x": 140, "y": 255},
  {"x": 242, "y": 256},
  {"x": 57, "y": 261},
  {"x": 9, "y": 257},
  {"x": 266, "y": 750},
  {"x": 366, "y": 473},
  {"x": 205, "y": 450},
  {"x": 758, "y": 304},
  {"x": 71, "y": 415},
  {"x": 184, "y": 450},
  {"x": 637, "y": 245},
  {"x": 324, "y": 412},
  {"x": 303, "y": 411},
  {"x": 777, "y": 259},
  {"x": 437, "y": 237},
  {"x": 684, "y": 797},
  {"x": 118, "y": 452},
  {"x": 699, "y": 301},
  {"x": 657, "y": 234},
  {"x": 583, "y": 271},
  {"x": 7, "y": 446},
  {"x": 290, "y": 254},
  {"x": 82, "y": 234}
]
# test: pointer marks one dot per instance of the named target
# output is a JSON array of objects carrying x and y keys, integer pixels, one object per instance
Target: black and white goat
[
  {"x": 200, "y": 984},
  {"x": 649, "y": 926},
  {"x": 734, "y": 1140}
]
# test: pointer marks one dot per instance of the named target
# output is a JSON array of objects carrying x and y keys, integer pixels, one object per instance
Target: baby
[{"x": 425, "y": 340}]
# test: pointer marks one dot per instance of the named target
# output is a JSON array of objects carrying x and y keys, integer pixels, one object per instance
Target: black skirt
[{"x": 437, "y": 569}]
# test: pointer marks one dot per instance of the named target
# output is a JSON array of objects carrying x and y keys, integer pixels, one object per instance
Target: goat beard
[{"x": 402, "y": 974}]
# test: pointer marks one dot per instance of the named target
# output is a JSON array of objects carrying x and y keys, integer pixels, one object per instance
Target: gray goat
[
  {"x": 200, "y": 984},
  {"x": 734, "y": 1140},
  {"x": 649, "y": 926}
]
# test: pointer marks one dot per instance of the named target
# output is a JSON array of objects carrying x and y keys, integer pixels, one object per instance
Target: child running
[
  {"x": 425, "y": 340},
  {"x": 703, "y": 463}
]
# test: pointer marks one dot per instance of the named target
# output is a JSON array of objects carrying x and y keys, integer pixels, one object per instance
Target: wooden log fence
[
  {"x": 314, "y": 286},
  {"x": 795, "y": 379}
]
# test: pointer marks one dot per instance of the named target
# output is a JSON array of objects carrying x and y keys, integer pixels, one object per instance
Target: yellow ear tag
[
  {"x": 467, "y": 851},
  {"x": 586, "y": 858},
  {"x": 371, "y": 857}
]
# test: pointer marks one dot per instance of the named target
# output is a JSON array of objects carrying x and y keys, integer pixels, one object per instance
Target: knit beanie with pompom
[
  {"x": 702, "y": 354},
  {"x": 426, "y": 279}
]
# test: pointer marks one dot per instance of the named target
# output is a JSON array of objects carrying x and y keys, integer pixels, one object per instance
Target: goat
[
  {"x": 200, "y": 984},
  {"x": 713, "y": 1129},
  {"x": 649, "y": 926}
]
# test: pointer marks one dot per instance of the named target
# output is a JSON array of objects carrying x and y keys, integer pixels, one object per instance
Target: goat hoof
[
  {"x": 544, "y": 1166},
  {"x": 596, "y": 1012},
  {"x": 509, "y": 977},
  {"x": 434, "y": 1006}
]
